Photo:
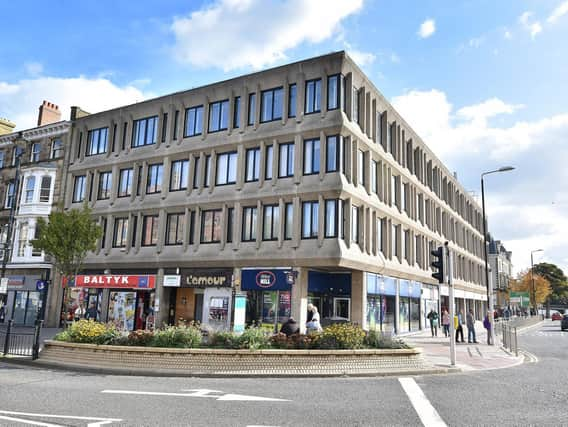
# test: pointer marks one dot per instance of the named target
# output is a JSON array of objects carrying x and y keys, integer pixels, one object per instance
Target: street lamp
[
  {"x": 532, "y": 279},
  {"x": 487, "y": 284}
]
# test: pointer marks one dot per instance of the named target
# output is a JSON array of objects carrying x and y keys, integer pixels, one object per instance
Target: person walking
[
  {"x": 433, "y": 317},
  {"x": 314, "y": 324},
  {"x": 458, "y": 324},
  {"x": 470, "y": 322},
  {"x": 446, "y": 322},
  {"x": 487, "y": 326}
]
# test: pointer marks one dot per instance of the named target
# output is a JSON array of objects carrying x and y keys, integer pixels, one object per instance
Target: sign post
[{"x": 449, "y": 256}]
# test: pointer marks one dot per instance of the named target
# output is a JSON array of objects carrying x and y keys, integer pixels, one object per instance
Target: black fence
[{"x": 19, "y": 341}]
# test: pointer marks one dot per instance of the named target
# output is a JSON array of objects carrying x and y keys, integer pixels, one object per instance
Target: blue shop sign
[
  {"x": 329, "y": 283},
  {"x": 264, "y": 280},
  {"x": 410, "y": 289}
]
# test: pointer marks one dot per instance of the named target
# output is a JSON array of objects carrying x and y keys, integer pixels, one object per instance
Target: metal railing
[
  {"x": 21, "y": 341},
  {"x": 506, "y": 329}
]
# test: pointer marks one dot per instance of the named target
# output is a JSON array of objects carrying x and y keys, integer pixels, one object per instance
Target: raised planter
[{"x": 224, "y": 363}]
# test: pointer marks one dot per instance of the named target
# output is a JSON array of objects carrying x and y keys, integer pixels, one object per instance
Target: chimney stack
[
  {"x": 6, "y": 126},
  {"x": 48, "y": 113}
]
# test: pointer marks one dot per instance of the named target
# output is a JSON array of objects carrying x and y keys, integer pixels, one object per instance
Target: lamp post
[
  {"x": 488, "y": 286},
  {"x": 533, "y": 289}
]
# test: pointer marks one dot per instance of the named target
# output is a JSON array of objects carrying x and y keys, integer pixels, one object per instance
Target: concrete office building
[
  {"x": 230, "y": 187},
  {"x": 500, "y": 260}
]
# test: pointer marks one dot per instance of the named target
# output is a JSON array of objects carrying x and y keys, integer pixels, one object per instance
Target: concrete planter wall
[{"x": 223, "y": 363}]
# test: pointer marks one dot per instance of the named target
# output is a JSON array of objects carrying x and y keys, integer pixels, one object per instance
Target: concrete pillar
[
  {"x": 299, "y": 300},
  {"x": 163, "y": 298},
  {"x": 358, "y": 298},
  {"x": 54, "y": 301}
]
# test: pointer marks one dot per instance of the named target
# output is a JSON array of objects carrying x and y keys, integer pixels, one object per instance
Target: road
[{"x": 529, "y": 394}]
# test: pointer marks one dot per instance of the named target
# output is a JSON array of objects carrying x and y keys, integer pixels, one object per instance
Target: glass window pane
[
  {"x": 292, "y": 101},
  {"x": 214, "y": 116},
  {"x": 315, "y": 218},
  {"x": 199, "y": 120},
  {"x": 278, "y": 103},
  {"x": 222, "y": 164},
  {"x": 331, "y": 153},
  {"x": 317, "y": 95},
  {"x": 290, "y": 163},
  {"x": 306, "y": 219},
  {"x": 224, "y": 115},
  {"x": 266, "y": 106},
  {"x": 332, "y": 89},
  {"x": 289, "y": 220},
  {"x": 267, "y": 223},
  {"x": 316, "y": 157},
  {"x": 269, "y": 161},
  {"x": 308, "y": 147},
  {"x": 309, "y": 97},
  {"x": 232, "y": 168}
]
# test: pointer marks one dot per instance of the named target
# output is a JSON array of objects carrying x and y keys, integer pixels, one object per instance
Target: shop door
[{"x": 198, "y": 311}]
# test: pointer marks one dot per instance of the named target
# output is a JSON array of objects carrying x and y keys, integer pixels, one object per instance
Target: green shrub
[
  {"x": 140, "y": 338},
  {"x": 62, "y": 336},
  {"x": 90, "y": 332},
  {"x": 177, "y": 337},
  {"x": 223, "y": 339},
  {"x": 340, "y": 336},
  {"x": 293, "y": 342},
  {"x": 254, "y": 339},
  {"x": 376, "y": 339}
]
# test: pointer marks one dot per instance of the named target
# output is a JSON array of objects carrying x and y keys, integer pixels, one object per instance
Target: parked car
[
  {"x": 564, "y": 322},
  {"x": 556, "y": 316}
]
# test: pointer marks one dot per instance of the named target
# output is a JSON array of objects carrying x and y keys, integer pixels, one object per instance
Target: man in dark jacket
[{"x": 290, "y": 327}]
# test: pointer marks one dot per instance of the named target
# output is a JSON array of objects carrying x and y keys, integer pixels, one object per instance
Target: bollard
[
  {"x": 516, "y": 344},
  {"x": 37, "y": 332},
  {"x": 7, "y": 341}
]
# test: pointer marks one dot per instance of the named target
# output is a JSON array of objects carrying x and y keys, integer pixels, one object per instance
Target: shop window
[
  {"x": 144, "y": 131},
  {"x": 331, "y": 218},
  {"x": 78, "y": 189},
  {"x": 226, "y": 168},
  {"x": 97, "y": 141},
  {"x": 249, "y": 224},
  {"x": 342, "y": 308},
  {"x": 311, "y": 156},
  {"x": 45, "y": 189},
  {"x": 310, "y": 219},
  {"x": 125, "y": 183},
  {"x": 120, "y": 232},
  {"x": 292, "y": 96},
  {"x": 174, "y": 229},
  {"x": 105, "y": 183},
  {"x": 286, "y": 160},
  {"x": 271, "y": 222},
  {"x": 193, "y": 121},
  {"x": 237, "y": 112},
  {"x": 333, "y": 92},
  {"x": 252, "y": 164},
  {"x": 271, "y": 104},
  {"x": 289, "y": 220},
  {"x": 313, "y": 96},
  {"x": 150, "y": 230},
  {"x": 154, "y": 182},
  {"x": 332, "y": 154},
  {"x": 218, "y": 116},
  {"x": 30, "y": 186},
  {"x": 122, "y": 310},
  {"x": 211, "y": 226},
  {"x": 179, "y": 175},
  {"x": 269, "y": 162}
]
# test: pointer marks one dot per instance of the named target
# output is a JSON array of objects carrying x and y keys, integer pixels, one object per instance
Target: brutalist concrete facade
[{"x": 395, "y": 199}]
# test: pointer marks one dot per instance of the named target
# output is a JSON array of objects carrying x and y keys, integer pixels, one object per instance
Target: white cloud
[
  {"x": 362, "y": 58},
  {"x": 476, "y": 42},
  {"x": 427, "y": 28},
  {"x": 533, "y": 27},
  {"x": 507, "y": 34},
  {"x": 519, "y": 203},
  {"x": 34, "y": 68},
  {"x": 560, "y": 11},
  {"x": 233, "y": 34},
  {"x": 19, "y": 101}
]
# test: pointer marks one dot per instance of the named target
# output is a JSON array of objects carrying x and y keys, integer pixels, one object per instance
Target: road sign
[
  {"x": 520, "y": 298},
  {"x": 41, "y": 285}
]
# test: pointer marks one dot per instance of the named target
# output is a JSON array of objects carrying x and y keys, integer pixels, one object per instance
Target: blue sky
[{"x": 484, "y": 86}]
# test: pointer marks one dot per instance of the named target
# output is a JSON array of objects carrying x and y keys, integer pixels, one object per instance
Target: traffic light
[{"x": 438, "y": 264}]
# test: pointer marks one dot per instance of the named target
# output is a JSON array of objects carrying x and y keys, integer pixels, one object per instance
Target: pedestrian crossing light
[{"x": 438, "y": 264}]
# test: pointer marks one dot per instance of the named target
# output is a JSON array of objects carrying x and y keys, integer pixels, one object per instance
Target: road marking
[
  {"x": 33, "y": 423},
  {"x": 427, "y": 413},
  {"x": 200, "y": 393},
  {"x": 99, "y": 421}
]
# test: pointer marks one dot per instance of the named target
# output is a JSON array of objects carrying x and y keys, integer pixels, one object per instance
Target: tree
[
  {"x": 67, "y": 237},
  {"x": 523, "y": 283},
  {"x": 557, "y": 281}
]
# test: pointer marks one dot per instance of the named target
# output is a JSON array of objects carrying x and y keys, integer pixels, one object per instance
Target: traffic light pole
[{"x": 449, "y": 256}]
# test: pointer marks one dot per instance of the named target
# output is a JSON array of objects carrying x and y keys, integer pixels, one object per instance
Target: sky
[{"x": 483, "y": 82}]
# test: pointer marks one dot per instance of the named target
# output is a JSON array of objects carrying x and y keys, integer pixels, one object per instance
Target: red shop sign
[{"x": 114, "y": 281}]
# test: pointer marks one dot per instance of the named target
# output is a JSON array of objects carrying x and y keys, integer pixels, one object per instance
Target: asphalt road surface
[{"x": 535, "y": 393}]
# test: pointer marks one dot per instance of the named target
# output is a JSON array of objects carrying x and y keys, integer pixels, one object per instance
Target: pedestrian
[
  {"x": 314, "y": 324},
  {"x": 91, "y": 313},
  {"x": 470, "y": 321},
  {"x": 433, "y": 317},
  {"x": 458, "y": 324},
  {"x": 2, "y": 312},
  {"x": 310, "y": 312},
  {"x": 446, "y": 322},
  {"x": 290, "y": 327},
  {"x": 487, "y": 326},
  {"x": 79, "y": 313}
]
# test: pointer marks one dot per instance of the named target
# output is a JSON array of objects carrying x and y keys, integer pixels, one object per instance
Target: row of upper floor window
[
  {"x": 333, "y": 154},
  {"x": 35, "y": 190},
  {"x": 34, "y": 153},
  {"x": 327, "y": 218}
]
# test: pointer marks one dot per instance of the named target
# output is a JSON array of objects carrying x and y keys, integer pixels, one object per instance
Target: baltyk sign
[{"x": 115, "y": 281}]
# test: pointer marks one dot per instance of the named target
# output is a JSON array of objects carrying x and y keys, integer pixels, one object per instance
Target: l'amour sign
[{"x": 114, "y": 281}]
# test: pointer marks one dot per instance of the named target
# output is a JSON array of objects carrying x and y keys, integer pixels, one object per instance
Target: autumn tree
[
  {"x": 557, "y": 280},
  {"x": 523, "y": 283}
]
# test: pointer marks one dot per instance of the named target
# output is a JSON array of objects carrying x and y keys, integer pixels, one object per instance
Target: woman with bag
[
  {"x": 446, "y": 322},
  {"x": 314, "y": 324}
]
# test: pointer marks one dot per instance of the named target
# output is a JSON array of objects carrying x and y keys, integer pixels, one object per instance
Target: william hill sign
[{"x": 198, "y": 278}]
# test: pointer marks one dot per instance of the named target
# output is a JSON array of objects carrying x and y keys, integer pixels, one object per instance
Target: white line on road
[
  {"x": 200, "y": 393},
  {"x": 427, "y": 413},
  {"x": 99, "y": 421},
  {"x": 28, "y": 422}
]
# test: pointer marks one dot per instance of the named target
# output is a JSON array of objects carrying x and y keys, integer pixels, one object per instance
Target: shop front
[
  {"x": 331, "y": 294},
  {"x": 25, "y": 299},
  {"x": 381, "y": 303},
  {"x": 201, "y": 295},
  {"x": 268, "y": 293},
  {"x": 127, "y": 301},
  {"x": 409, "y": 306}
]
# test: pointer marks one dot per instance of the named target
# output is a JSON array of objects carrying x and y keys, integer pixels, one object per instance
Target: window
[
  {"x": 1, "y": 159},
  {"x": 10, "y": 190},
  {"x": 269, "y": 162},
  {"x": 174, "y": 229},
  {"x": 332, "y": 154},
  {"x": 97, "y": 141},
  {"x": 403, "y": 196},
  {"x": 36, "y": 150},
  {"x": 226, "y": 168},
  {"x": 105, "y": 184},
  {"x": 237, "y": 113},
  {"x": 355, "y": 102},
  {"x": 310, "y": 220},
  {"x": 30, "y": 184},
  {"x": 179, "y": 174},
  {"x": 164, "y": 126},
  {"x": 230, "y": 219},
  {"x": 144, "y": 131},
  {"x": 394, "y": 241},
  {"x": 394, "y": 190},
  {"x": 406, "y": 245},
  {"x": 292, "y": 100},
  {"x": 311, "y": 156},
  {"x": 56, "y": 149},
  {"x": 361, "y": 167},
  {"x": 253, "y": 164},
  {"x": 194, "y": 121},
  {"x": 271, "y": 104},
  {"x": 271, "y": 222},
  {"x": 313, "y": 96},
  {"x": 124, "y": 130},
  {"x": 79, "y": 188},
  {"x": 154, "y": 183},
  {"x": 176, "y": 124},
  {"x": 379, "y": 139},
  {"x": 289, "y": 220},
  {"x": 374, "y": 186},
  {"x": 150, "y": 230},
  {"x": 211, "y": 226},
  {"x": 354, "y": 224},
  {"x": 207, "y": 178},
  {"x": 251, "y": 109},
  {"x": 331, "y": 222},
  {"x": 23, "y": 239},
  {"x": 45, "y": 189},
  {"x": 120, "y": 232},
  {"x": 380, "y": 234},
  {"x": 103, "y": 225},
  {"x": 134, "y": 230},
  {"x": 333, "y": 92},
  {"x": 249, "y": 224},
  {"x": 196, "y": 174},
  {"x": 218, "y": 116},
  {"x": 286, "y": 160},
  {"x": 191, "y": 227},
  {"x": 125, "y": 183}
]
